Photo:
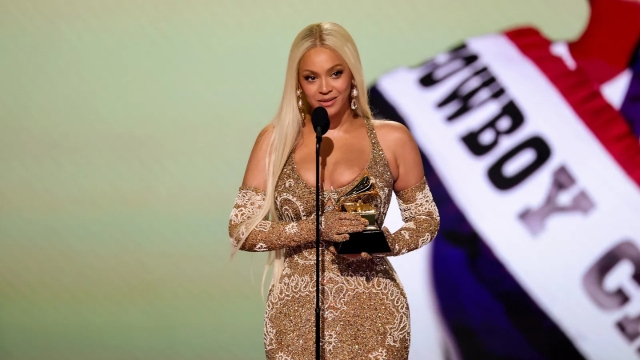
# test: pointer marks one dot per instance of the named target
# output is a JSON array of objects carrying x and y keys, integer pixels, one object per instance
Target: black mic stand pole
[{"x": 318, "y": 142}]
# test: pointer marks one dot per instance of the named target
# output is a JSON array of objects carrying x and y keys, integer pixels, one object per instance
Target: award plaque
[{"x": 362, "y": 200}]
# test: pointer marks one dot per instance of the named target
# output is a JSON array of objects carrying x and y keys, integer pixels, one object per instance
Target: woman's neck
[
  {"x": 609, "y": 40},
  {"x": 341, "y": 120}
]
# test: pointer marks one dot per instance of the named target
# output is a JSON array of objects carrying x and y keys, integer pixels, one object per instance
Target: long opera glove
[
  {"x": 266, "y": 235},
  {"x": 420, "y": 216},
  {"x": 274, "y": 235}
]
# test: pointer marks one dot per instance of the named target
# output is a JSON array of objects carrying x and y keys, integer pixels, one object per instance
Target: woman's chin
[
  {"x": 335, "y": 110},
  {"x": 332, "y": 109}
]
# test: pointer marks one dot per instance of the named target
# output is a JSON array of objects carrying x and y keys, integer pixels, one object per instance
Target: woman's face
[{"x": 325, "y": 80}]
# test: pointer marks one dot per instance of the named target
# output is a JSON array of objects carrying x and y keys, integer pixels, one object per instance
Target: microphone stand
[{"x": 318, "y": 143}]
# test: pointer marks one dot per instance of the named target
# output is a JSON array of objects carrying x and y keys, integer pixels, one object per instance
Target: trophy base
[{"x": 372, "y": 242}]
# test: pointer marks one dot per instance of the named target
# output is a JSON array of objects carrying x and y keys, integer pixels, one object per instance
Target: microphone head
[{"x": 320, "y": 119}]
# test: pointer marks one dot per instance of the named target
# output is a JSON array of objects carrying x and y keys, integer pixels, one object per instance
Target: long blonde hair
[{"x": 286, "y": 125}]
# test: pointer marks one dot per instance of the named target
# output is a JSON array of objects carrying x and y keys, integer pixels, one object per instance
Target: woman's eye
[
  {"x": 337, "y": 73},
  {"x": 309, "y": 77}
]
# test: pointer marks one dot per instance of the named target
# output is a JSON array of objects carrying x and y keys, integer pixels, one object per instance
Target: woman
[{"x": 364, "y": 308}]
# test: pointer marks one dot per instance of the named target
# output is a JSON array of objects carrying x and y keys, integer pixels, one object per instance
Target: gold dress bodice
[{"x": 364, "y": 308}]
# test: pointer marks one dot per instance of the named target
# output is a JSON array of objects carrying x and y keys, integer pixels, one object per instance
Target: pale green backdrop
[{"x": 124, "y": 131}]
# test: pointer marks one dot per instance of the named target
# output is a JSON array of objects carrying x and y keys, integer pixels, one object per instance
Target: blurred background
[{"x": 125, "y": 127}]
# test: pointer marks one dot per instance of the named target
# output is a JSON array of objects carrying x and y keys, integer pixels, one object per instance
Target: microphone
[{"x": 320, "y": 121}]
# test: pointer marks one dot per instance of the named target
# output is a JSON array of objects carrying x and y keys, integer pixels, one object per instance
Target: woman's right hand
[{"x": 336, "y": 225}]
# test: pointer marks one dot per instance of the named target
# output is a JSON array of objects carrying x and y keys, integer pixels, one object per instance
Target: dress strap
[{"x": 376, "y": 148}]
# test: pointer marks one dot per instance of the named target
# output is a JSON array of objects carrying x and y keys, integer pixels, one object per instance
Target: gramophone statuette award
[{"x": 362, "y": 200}]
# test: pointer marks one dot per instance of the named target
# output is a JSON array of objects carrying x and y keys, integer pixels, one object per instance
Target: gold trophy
[{"x": 362, "y": 200}]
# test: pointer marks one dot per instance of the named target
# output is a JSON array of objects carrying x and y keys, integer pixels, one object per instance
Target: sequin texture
[{"x": 364, "y": 309}]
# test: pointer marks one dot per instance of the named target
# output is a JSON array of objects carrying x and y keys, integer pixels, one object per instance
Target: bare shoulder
[
  {"x": 256, "y": 172},
  {"x": 265, "y": 133},
  {"x": 262, "y": 142},
  {"x": 392, "y": 134},
  {"x": 402, "y": 153}
]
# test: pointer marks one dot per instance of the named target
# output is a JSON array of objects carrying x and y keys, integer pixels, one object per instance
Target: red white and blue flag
[{"x": 536, "y": 173}]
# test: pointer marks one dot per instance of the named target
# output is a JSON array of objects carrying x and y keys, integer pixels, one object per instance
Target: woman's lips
[{"x": 327, "y": 102}]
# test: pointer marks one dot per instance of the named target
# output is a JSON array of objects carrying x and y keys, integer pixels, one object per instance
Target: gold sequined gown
[{"x": 365, "y": 314}]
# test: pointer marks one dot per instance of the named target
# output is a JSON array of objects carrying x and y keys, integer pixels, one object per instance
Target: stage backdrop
[{"x": 125, "y": 127}]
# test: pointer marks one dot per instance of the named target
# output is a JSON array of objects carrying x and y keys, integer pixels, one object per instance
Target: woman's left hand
[{"x": 362, "y": 256}]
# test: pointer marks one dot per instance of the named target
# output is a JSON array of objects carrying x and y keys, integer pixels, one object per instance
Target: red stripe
[{"x": 606, "y": 123}]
